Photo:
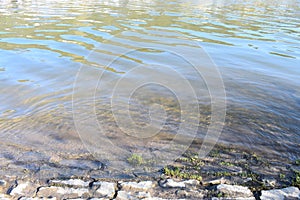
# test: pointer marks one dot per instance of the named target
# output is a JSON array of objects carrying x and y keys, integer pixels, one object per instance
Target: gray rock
[
  {"x": 191, "y": 194},
  {"x": 170, "y": 183},
  {"x": 278, "y": 194},
  {"x": 3, "y": 188},
  {"x": 141, "y": 186},
  {"x": 215, "y": 181},
  {"x": 128, "y": 195},
  {"x": 62, "y": 192},
  {"x": 235, "y": 191},
  {"x": 270, "y": 182},
  {"x": 4, "y": 197},
  {"x": 123, "y": 195},
  {"x": 235, "y": 198},
  {"x": 20, "y": 189},
  {"x": 70, "y": 182},
  {"x": 2, "y": 183},
  {"x": 36, "y": 198},
  {"x": 105, "y": 189}
]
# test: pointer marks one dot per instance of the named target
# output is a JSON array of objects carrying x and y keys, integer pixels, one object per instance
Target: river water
[{"x": 71, "y": 71}]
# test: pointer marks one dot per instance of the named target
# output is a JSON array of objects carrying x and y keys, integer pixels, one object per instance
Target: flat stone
[
  {"x": 4, "y": 197},
  {"x": 278, "y": 194},
  {"x": 141, "y": 186},
  {"x": 62, "y": 192},
  {"x": 128, "y": 195},
  {"x": 191, "y": 194},
  {"x": 36, "y": 198},
  {"x": 123, "y": 195},
  {"x": 105, "y": 189},
  {"x": 19, "y": 189},
  {"x": 170, "y": 183},
  {"x": 143, "y": 195},
  {"x": 236, "y": 198},
  {"x": 191, "y": 182},
  {"x": 215, "y": 181},
  {"x": 70, "y": 182},
  {"x": 235, "y": 191}
]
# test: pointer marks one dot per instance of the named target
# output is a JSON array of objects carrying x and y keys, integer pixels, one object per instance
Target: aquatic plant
[{"x": 136, "y": 160}]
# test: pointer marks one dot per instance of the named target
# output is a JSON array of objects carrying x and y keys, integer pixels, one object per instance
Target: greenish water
[{"x": 254, "y": 44}]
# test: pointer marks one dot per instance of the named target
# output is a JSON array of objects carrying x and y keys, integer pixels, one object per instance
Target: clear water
[{"x": 44, "y": 47}]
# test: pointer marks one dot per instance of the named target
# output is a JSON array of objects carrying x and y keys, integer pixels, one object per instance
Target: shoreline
[{"x": 226, "y": 173}]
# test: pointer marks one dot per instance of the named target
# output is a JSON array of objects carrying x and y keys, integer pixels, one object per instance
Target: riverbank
[{"x": 226, "y": 173}]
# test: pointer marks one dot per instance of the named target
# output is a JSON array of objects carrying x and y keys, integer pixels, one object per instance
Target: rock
[
  {"x": 191, "y": 182},
  {"x": 270, "y": 182},
  {"x": 190, "y": 194},
  {"x": 35, "y": 198},
  {"x": 62, "y": 192},
  {"x": 4, "y": 197},
  {"x": 141, "y": 186},
  {"x": 2, "y": 183},
  {"x": 3, "y": 188},
  {"x": 170, "y": 183},
  {"x": 23, "y": 189},
  {"x": 105, "y": 189},
  {"x": 143, "y": 195},
  {"x": 278, "y": 194},
  {"x": 215, "y": 181},
  {"x": 70, "y": 182},
  {"x": 235, "y": 191},
  {"x": 229, "y": 198},
  {"x": 125, "y": 195}
]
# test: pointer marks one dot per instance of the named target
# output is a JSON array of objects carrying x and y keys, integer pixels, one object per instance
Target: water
[{"x": 53, "y": 53}]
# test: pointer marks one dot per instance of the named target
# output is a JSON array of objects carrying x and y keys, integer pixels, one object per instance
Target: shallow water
[{"x": 66, "y": 69}]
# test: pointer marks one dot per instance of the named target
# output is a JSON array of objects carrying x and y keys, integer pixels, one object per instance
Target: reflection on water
[{"x": 43, "y": 44}]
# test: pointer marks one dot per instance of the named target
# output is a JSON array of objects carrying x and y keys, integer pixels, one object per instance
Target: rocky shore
[
  {"x": 122, "y": 190},
  {"x": 226, "y": 173}
]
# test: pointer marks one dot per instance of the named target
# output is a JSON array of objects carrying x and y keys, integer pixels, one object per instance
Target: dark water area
[{"x": 67, "y": 69}]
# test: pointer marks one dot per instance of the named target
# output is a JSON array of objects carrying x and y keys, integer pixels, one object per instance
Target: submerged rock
[{"x": 281, "y": 194}]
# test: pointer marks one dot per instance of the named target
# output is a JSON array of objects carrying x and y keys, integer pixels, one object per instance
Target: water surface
[{"x": 254, "y": 44}]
